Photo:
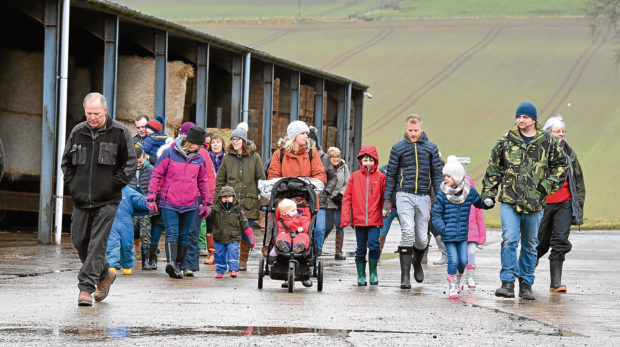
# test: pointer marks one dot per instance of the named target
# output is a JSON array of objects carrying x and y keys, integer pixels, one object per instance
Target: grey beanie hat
[
  {"x": 240, "y": 133},
  {"x": 295, "y": 128}
]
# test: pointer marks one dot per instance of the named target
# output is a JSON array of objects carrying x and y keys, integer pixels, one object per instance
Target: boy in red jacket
[{"x": 364, "y": 198}]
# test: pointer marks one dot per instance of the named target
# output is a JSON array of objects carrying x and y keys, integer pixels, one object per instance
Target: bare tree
[{"x": 605, "y": 15}]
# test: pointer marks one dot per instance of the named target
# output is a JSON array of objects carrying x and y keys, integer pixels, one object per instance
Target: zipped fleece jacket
[
  {"x": 228, "y": 224},
  {"x": 524, "y": 173},
  {"x": 97, "y": 164},
  {"x": 413, "y": 167},
  {"x": 178, "y": 178},
  {"x": 362, "y": 202}
]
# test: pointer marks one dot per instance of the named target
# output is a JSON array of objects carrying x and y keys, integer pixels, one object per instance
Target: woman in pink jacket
[
  {"x": 179, "y": 174},
  {"x": 476, "y": 238}
]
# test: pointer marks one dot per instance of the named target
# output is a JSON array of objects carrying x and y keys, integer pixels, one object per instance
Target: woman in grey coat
[{"x": 332, "y": 214}]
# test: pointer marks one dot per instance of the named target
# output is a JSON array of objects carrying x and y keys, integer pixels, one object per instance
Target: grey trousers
[
  {"x": 414, "y": 212},
  {"x": 90, "y": 229}
]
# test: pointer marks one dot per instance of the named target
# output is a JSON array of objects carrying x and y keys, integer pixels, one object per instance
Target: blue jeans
[
  {"x": 519, "y": 227},
  {"x": 332, "y": 219},
  {"x": 319, "y": 230},
  {"x": 387, "y": 222},
  {"x": 177, "y": 225},
  {"x": 226, "y": 257},
  {"x": 191, "y": 261},
  {"x": 367, "y": 238},
  {"x": 457, "y": 256},
  {"x": 120, "y": 248},
  {"x": 157, "y": 227}
]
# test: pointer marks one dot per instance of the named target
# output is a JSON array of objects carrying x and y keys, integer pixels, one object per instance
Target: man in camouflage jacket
[{"x": 527, "y": 164}]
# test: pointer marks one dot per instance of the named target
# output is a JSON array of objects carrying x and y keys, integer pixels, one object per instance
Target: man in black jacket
[
  {"x": 414, "y": 168},
  {"x": 98, "y": 161}
]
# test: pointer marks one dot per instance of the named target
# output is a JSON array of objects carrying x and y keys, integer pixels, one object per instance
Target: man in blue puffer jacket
[{"x": 413, "y": 167}]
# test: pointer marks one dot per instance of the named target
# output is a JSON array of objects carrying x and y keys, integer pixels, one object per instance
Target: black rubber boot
[
  {"x": 555, "y": 266},
  {"x": 405, "y": 255},
  {"x": 179, "y": 262},
  {"x": 146, "y": 265},
  {"x": 153, "y": 251},
  {"x": 171, "y": 257},
  {"x": 418, "y": 272},
  {"x": 525, "y": 290},
  {"x": 507, "y": 290}
]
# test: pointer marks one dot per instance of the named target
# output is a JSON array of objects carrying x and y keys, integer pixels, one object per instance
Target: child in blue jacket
[
  {"x": 120, "y": 241},
  {"x": 451, "y": 219}
]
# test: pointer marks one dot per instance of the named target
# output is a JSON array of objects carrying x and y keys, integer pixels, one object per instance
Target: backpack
[{"x": 282, "y": 156}]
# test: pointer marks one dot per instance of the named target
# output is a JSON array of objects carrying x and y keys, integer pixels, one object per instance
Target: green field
[
  {"x": 466, "y": 77},
  {"x": 372, "y": 9}
]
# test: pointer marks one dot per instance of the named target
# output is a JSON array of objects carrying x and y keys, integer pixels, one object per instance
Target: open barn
[{"x": 144, "y": 65}]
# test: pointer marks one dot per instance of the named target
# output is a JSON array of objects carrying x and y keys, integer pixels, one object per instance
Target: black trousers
[
  {"x": 90, "y": 229},
  {"x": 554, "y": 231}
]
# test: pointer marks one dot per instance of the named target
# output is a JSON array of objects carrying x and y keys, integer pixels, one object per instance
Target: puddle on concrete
[
  {"x": 124, "y": 332},
  {"x": 120, "y": 333}
]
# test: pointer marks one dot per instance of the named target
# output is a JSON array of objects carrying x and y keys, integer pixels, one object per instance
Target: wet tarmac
[{"x": 38, "y": 302}]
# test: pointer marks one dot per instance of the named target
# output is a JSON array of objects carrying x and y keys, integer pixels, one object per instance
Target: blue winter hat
[{"x": 527, "y": 109}]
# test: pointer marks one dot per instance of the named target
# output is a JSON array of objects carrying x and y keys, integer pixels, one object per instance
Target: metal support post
[
  {"x": 295, "y": 80},
  {"x": 235, "y": 107},
  {"x": 319, "y": 90},
  {"x": 202, "y": 84},
  {"x": 161, "y": 74},
  {"x": 48, "y": 120},
  {"x": 246, "y": 86},
  {"x": 110, "y": 62},
  {"x": 268, "y": 72}
]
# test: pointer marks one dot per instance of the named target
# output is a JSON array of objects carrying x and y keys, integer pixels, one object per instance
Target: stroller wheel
[
  {"x": 291, "y": 279},
  {"x": 261, "y": 269},
  {"x": 319, "y": 277}
]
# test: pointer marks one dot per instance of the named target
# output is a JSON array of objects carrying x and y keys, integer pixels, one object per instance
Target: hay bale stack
[
  {"x": 21, "y": 87},
  {"x": 136, "y": 90},
  {"x": 21, "y": 136}
]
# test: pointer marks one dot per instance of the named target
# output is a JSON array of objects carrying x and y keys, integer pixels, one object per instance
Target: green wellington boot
[
  {"x": 372, "y": 268},
  {"x": 361, "y": 274}
]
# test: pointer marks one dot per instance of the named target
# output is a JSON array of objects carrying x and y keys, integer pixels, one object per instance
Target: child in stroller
[
  {"x": 289, "y": 248},
  {"x": 293, "y": 226}
]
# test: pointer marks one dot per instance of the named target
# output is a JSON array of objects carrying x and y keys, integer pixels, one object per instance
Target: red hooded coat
[{"x": 362, "y": 203}]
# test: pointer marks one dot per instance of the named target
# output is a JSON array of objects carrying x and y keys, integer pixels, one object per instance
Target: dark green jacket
[
  {"x": 242, "y": 172},
  {"x": 227, "y": 224},
  {"x": 576, "y": 184},
  {"x": 524, "y": 173}
]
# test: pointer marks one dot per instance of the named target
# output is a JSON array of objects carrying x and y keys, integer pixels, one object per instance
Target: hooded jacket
[
  {"x": 242, "y": 172},
  {"x": 153, "y": 142},
  {"x": 228, "y": 224},
  {"x": 97, "y": 164},
  {"x": 178, "y": 177},
  {"x": 576, "y": 184},
  {"x": 524, "y": 173},
  {"x": 414, "y": 167},
  {"x": 362, "y": 203}
]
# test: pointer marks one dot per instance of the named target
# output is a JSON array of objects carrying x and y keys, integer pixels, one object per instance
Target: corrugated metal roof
[{"x": 127, "y": 13}]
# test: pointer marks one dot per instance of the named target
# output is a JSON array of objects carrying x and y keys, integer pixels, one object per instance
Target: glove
[
  {"x": 489, "y": 202},
  {"x": 248, "y": 232},
  {"x": 205, "y": 209},
  {"x": 387, "y": 206},
  {"x": 151, "y": 203},
  {"x": 480, "y": 246}
]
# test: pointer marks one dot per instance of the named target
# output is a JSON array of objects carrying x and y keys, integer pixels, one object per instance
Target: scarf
[{"x": 452, "y": 194}]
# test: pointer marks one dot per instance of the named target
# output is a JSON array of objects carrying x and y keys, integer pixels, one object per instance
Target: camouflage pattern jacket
[{"x": 527, "y": 173}]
